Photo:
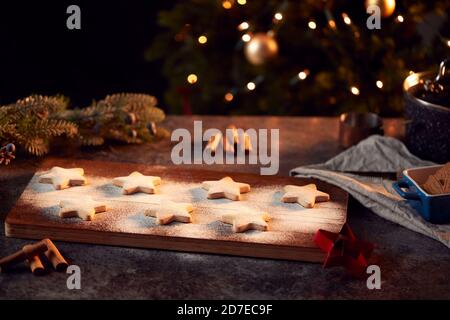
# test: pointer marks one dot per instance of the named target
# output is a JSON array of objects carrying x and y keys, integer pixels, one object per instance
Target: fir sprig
[
  {"x": 33, "y": 122},
  {"x": 124, "y": 117}
]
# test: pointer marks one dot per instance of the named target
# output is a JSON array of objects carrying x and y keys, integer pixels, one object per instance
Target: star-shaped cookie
[
  {"x": 170, "y": 211},
  {"x": 243, "y": 221},
  {"x": 137, "y": 182},
  {"x": 225, "y": 188},
  {"x": 307, "y": 196},
  {"x": 84, "y": 208},
  {"x": 64, "y": 178}
]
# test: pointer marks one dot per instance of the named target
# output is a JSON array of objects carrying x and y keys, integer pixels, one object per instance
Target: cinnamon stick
[
  {"x": 36, "y": 266},
  {"x": 55, "y": 257},
  {"x": 27, "y": 252}
]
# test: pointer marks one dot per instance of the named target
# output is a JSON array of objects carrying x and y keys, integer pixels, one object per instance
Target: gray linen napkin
[{"x": 351, "y": 170}]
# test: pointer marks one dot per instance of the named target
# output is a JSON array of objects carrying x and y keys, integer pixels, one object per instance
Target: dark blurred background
[
  {"x": 38, "y": 54},
  {"x": 153, "y": 46}
]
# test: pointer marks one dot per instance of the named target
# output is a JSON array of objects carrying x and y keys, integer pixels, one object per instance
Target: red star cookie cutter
[{"x": 344, "y": 249}]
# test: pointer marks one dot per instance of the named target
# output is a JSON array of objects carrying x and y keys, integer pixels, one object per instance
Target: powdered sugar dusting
[{"x": 289, "y": 224}]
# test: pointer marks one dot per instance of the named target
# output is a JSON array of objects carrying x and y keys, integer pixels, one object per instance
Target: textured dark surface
[{"x": 412, "y": 266}]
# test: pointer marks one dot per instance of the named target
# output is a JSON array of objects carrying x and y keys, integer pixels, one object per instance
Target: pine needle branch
[
  {"x": 33, "y": 122},
  {"x": 126, "y": 117}
]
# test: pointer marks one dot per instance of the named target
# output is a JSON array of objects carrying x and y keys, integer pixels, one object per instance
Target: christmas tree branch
[{"x": 33, "y": 122}]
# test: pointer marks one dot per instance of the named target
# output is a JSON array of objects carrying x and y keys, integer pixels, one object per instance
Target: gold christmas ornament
[
  {"x": 260, "y": 49},
  {"x": 387, "y": 7}
]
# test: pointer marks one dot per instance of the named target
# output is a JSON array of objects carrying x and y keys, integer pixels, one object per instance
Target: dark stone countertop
[{"x": 412, "y": 266}]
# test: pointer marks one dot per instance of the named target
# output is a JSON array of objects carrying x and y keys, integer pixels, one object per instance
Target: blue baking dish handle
[{"x": 407, "y": 195}]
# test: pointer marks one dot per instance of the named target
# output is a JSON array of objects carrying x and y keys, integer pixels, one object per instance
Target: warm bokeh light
[
  {"x": 229, "y": 97},
  {"x": 448, "y": 43},
  {"x": 243, "y": 26},
  {"x": 400, "y": 18},
  {"x": 251, "y": 86},
  {"x": 302, "y": 75},
  {"x": 278, "y": 16},
  {"x": 380, "y": 84},
  {"x": 202, "y": 39},
  {"x": 332, "y": 24},
  {"x": 227, "y": 4},
  {"x": 242, "y": 2},
  {"x": 389, "y": 7},
  {"x": 312, "y": 25},
  {"x": 354, "y": 90},
  {"x": 246, "y": 37},
  {"x": 346, "y": 18},
  {"x": 192, "y": 78}
]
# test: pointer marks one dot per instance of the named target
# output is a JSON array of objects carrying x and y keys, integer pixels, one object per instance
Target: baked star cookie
[
  {"x": 84, "y": 208},
  {"x": 225, "y": 188},
  {"x": 64, "y": 178},
  {"x": 306, "y": 196},
  {"x": 243, "y": 221},
  {"x": 137, "y": 182},
  {"x": 170, "y": 211}
]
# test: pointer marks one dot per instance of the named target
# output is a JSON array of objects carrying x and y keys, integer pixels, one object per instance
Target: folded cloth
[{"x": 355, "y": 169}]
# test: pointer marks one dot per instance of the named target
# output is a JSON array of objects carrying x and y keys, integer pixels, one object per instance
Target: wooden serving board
[{"x": 291, "y": 228}]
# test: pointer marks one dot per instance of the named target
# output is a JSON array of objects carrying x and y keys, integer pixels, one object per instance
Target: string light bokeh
[{"x": 259, "y": 44}]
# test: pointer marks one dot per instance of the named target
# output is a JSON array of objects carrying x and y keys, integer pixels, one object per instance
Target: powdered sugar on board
[{"x": 290, "y": 223}]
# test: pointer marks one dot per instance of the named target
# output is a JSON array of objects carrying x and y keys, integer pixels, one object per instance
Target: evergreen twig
[{"x": 33, "y": 122}]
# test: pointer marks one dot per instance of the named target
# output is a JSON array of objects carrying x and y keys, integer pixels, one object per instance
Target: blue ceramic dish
[{"x": 433, "y": 208}]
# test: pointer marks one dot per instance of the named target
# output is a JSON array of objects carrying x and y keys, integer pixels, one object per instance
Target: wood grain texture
[{"x": 290, "y": 235}]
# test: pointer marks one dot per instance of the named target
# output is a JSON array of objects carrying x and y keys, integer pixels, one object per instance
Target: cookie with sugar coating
[{"x": 62, "y": 178}]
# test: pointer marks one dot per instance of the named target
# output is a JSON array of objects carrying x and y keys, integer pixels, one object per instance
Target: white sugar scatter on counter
[
  {"x": 290, "y": 223},
  {"x": 206, "y": 225}
]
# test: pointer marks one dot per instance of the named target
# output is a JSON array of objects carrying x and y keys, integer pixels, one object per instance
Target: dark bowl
[{"x": 427, "y": 124}]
